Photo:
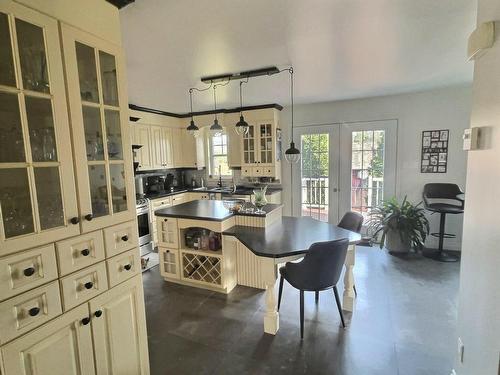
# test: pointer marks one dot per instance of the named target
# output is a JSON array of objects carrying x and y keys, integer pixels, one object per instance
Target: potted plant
[{"x": 402, "y": 226}]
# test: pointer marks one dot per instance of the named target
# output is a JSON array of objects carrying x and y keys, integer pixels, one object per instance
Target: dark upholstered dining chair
[
  {"x": 319, "y": 270},
  {"x": 352, "y": 221}
]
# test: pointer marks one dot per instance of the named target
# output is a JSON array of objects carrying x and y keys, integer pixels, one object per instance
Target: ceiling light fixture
[
  {"x": 292, "y": 155},
  {"x": 242, "y": 126},
  {"x": 192, "y": 128},
  {"x": 216, "y": 129}
]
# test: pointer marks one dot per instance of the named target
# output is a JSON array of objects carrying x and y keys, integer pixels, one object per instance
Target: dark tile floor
[{"x": 404, "y": 323}]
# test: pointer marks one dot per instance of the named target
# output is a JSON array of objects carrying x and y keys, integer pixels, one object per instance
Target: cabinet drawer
[
  {"x": 83, "y": 285},
  {"x": 29, "y": 310},
  {"x": 79, "y": 252},
  {"x": 120, "y": 237},
  {"x": 169, "y": 263},
  {"x": 179, "y": 198},
  {"x": 27, "y": 270},
  {"x": 123, "y": 267},
  {"x": 161, "y": 203},
  {"x": 246, "y": 171},
  {"x": 257, "y": 171},
  {"x": 267, "y": 171}
]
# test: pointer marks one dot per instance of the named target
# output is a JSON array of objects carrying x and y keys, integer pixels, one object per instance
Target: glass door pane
[
  {"x": 315, "y": 182},
  {"x": 49, "y": 197},
  {"x": 11, "y": 132},
  {"x": 98, "y": 190},
  {"x": 249, "y": 146},
  {"x": 32, "y": 56},
  {"x": 108, "y": 78},
  {"x": 367, "y": 170},
  {"x": 87, "y": 73},
  {"x": 15, "y": 200},
  {"x": 41, "y": 129},
  {"x": 7, "y": 75}
]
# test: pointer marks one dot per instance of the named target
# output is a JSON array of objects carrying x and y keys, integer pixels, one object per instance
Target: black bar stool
[{"x": 442, "y": 192}]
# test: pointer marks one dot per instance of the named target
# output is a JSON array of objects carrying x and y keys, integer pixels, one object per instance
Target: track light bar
[{"x": 241, "y": 75}]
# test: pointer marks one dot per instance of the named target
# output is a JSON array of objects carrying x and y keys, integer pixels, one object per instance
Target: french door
[{"x": 344, "y": 167}]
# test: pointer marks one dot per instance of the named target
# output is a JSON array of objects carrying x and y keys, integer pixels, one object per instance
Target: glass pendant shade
[
  {"x": 292, "y": 155},
  {"x": 193, "y": 129},
  {"x": 216, "y": 129},
  {"x": 241, "y": 126}
]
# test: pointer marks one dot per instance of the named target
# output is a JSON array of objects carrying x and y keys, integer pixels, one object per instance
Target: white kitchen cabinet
[
  {"x": 161, "y": 146},
  {"x": 259, "y": 149},
  {"x": 142, "y": 136},
  {"x": 98, "y": 105},
  {"x": 168, "y": 147},
  {"x": 158, "y": 204},
  {"x": 37, "y": 191},
  {"x": 118, "y": 330},
  {"x": 168, "y": 232},
  {"x": 61, "y": 347}
]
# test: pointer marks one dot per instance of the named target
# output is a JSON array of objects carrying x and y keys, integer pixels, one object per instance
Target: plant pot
[{"x": 395, "y": 244}]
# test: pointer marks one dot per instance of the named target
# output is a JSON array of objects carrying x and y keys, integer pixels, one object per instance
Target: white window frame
[{"x": 214, "y": 174}]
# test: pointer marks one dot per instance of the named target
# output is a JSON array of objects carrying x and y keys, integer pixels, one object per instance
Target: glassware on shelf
[{"x": 259, "y": 200}]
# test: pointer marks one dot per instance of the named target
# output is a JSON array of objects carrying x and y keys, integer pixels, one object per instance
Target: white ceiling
[{"x": 339, "y": 49}]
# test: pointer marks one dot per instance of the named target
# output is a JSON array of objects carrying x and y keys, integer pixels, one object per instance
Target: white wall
[
  {"x": 447, "y": 108},
  {"x": 479, "y": 297}
]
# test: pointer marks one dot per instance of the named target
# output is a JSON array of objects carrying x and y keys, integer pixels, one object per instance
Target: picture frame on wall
[{"x": 434, "y": 157}]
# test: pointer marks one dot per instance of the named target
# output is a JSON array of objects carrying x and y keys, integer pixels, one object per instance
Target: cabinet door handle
[
  {"x": 125, "y": 238},
  {"x": 85, "y": 321},
  {"x": 128, "y": 267},
  {"x": 74, "y": 220},
  {"x": 98, "y": 313},
  {"x": 29, "y": 271},
  {"x": 88, "y": 217},
  {"x": 88, "y": 285},
  {"x": 85, "y": 252},
  {"x": 34, "y": 311}
]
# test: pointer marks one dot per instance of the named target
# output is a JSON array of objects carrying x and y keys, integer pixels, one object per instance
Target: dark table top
[
  {"x": 211, "y": 210},
  {"x": 290, "y": 236}
]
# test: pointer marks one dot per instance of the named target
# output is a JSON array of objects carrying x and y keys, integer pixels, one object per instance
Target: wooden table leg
[
  {"x": 349, "y": 296},
  {"x": 271, "y": 316}
]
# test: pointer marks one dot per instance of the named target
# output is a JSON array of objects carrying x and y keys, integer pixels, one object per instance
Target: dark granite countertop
[
  {"x": 211, "y": 210},
  {"x": 290, "y": 236},
  {"x": 239, "y": 191}
]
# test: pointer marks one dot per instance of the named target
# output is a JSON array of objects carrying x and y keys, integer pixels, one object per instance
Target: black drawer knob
[
  {"x": 85, "y": 321},
  {"x": 98, "y": 313},
  {"x": 128, "y": 267},
  {"x": 74, "y": 220},
  {"x": 89, "y": 217},
  {"x": 89, "y": 285},
  {"x": 85, "y": 252},
  {"x": 29, "y": 271},
  {"x": 34, "y": 311},
  {"x": 125, "y": 238}
]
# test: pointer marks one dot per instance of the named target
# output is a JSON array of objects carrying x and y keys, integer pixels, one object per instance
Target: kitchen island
[{"x": 246, "y": 249}]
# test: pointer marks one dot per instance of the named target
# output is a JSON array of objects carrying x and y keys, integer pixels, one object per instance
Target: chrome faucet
[{"x": 219, "y": 184}]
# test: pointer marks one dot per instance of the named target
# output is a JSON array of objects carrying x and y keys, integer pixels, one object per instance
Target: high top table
[{"x": 289, "y": 239}]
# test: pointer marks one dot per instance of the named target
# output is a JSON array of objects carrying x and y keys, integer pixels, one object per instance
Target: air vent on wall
[
  {"x": 134, "y": 119},
  {"x": 120, "y": 3}
]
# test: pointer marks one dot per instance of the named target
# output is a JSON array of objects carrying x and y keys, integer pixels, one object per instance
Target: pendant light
[
  {"x": 192, "y": 128},
  {"x": 241, "y": 126},
  {"x": 216, "y": 129},
  {"x": 292, "y": 155}
]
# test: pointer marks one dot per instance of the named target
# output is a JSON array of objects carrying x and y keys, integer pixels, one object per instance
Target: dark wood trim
[{"x": 209, "y": 112}]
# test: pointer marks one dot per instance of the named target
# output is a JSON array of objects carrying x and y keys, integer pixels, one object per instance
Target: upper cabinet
[
  {"x": 141, "y": 135},
  {"x": 37, "y": 190},
  {"x": 261, "y": 146},
  {"x": 99, "y": 121},
  {"x": 233, "y": 140}
]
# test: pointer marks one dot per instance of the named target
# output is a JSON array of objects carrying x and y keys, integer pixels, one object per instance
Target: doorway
[{"x": 344, "y": 167}]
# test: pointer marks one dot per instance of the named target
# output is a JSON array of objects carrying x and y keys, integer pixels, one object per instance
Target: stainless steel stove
[{"x": 145, "y": 229}]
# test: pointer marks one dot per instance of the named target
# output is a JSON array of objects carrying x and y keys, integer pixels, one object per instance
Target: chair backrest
[
  {"x": 441, "y": 191},
  {"x": 322, "y": 265},
  {"x": 352, "y": 221}
]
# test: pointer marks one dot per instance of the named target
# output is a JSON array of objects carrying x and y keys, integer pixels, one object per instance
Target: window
[
  {"x": 218, "y": 156},
  {"x": 367, "y": 170}
]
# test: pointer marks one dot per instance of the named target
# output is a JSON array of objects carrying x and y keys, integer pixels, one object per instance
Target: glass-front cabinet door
[
  {"x": 37, "y": 190},
  {"x": 266, "y": 141},
  {"x": 249, "y": 146},
  {"x": 101, "y": 142}
]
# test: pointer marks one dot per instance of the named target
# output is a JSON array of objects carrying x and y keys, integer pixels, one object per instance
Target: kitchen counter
[
  {"x": 210, "y": 210},
  {"x": 289, "y": 236}
]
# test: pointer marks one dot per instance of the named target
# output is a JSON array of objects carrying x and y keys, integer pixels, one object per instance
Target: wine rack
[{"x": 202, "y": 268}]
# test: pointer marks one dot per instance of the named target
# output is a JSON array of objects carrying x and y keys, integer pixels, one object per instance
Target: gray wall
[
  {"x": 447, "y": 108},
  {"x": 479, "y": 298}
]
